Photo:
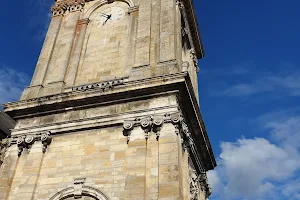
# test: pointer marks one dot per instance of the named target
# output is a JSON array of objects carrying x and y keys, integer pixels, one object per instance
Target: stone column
[{"x": 76, "y": 52}]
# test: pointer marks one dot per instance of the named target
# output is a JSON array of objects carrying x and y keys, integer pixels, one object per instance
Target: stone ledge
[{"x": 13, "y": 108}]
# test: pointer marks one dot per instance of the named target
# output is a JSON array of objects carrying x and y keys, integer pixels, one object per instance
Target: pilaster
[{"x": 76, "y": 52}]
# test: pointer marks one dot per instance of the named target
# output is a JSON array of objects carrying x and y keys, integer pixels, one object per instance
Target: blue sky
[{"x": 249, "y": 87}]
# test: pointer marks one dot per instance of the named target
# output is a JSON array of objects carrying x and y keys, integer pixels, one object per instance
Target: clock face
[{"x": 110, "y": 15}]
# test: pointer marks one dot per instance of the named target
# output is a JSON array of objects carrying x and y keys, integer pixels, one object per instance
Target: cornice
[{"x": 77, "y": 93}]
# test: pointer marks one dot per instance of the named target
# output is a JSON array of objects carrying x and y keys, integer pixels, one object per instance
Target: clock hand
[
  {"x": 105, "y": 15},
  {"x": 107, "y": 18}
]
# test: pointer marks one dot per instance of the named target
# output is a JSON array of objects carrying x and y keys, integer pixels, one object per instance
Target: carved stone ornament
[
  {"x": 176, "y": 119},
  {"x": 46, "y": 140},
  {"x": 70, "y": 5},
  {"x": 180, "y": 4},
  {"x": 127, "y": 128},
  {"x": 194, "y": 58},
  {"x": 76, "y": 5},
  {"x": 157, "y": 124},
  {"x": 205, "y": 187},
  {"x": 146, "y": 125},
  {"x": 21, "y": 144},
  {"x": 194, "y": 185},
  {"x": 78, "y": 184},
  {"x": 105, "y": 85},
  {"x": 59, "y": 9},
  {"x": 26, "y": 141}
]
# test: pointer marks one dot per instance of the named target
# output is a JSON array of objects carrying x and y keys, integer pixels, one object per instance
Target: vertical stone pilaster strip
[
  {"x": 181, "y": 165},
  {"x": 155, "y": 34},
  {"x": 61, "y": 52},
  {"x": 178, "y": 35},
  {"x": 169, "y": 187},
  {"x": 37, "y": 177},
  {"x": 8, "y": 171},
  {"x": 47, "y": 50},
  {"x": 76, "y": 52},
  {"x": 27, "y": 173},
  {"x": 167, "y": 37},
  {"x": 142, "y": 51},
  {"x": 131, "y": 40},
  {"x": 135, "y": 177},
  {"x": 151, "y": 191}
]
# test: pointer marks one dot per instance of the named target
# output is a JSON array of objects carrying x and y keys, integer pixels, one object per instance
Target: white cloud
[
  {"x": 258, "y": 168},
  {"x": 12, "y": 84},
  {"x": 287, "y": 85},
  {"x": 240, "y": 81}
]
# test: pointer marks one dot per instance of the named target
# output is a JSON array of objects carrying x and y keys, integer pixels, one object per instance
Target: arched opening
[{"x": 87, "y": 193}]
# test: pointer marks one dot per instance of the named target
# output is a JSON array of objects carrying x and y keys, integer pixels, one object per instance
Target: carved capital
[
  {"x": 46, "y": 140},
  {"x": 29, "y": 140},
  {"x": 146, "y": 125},
  {"x": 176, "y": 121},
  {"x": 157, "y": 124},
  {"x": 21, "y": 144},
  {"x": 127, "y": 128}
]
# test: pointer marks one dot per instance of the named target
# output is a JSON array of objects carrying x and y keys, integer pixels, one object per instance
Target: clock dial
[
  {"x": 109, "y": 16},
  {"x": 117, "y": 13}
]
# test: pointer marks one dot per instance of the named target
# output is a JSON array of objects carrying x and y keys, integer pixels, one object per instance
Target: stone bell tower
[{"x": 112, "y": 111}]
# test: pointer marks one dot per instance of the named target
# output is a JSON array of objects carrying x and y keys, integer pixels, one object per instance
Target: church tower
[{"x": 112, "y": 111}]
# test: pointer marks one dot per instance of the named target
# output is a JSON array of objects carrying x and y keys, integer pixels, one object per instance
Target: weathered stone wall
[
  {"x": 138, "y": 170},
  {"x": 91, "y": 144}
]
